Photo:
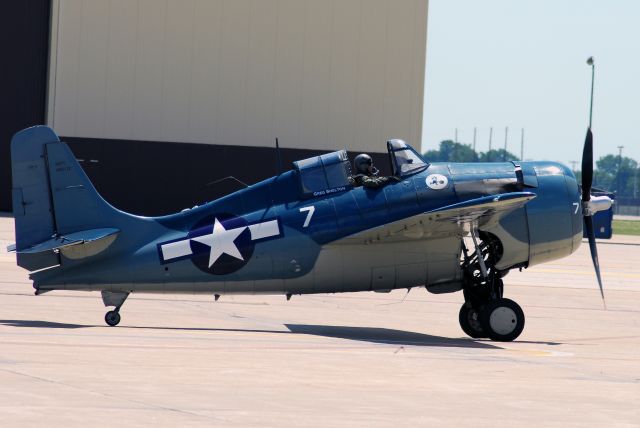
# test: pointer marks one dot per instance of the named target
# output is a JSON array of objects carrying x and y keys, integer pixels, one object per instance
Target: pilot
[{"x": 366, "y": 173}]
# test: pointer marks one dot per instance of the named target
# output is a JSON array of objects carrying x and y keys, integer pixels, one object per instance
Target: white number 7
[
  {"x": 577, "y": 205},
  {"x": 310, "y": 210}
]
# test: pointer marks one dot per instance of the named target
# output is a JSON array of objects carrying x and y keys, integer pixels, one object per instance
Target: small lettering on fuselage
[{"x": 330, "y": 191}]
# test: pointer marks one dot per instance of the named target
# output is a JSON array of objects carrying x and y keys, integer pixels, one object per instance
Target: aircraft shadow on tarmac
[
  {"x": 40, "y": 324},
  {"x": 363, "y": 334},
  {"x": 385, "y": 335}
]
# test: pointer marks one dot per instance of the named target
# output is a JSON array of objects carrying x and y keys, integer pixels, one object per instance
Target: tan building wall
[{"x": 319, "y": 74}]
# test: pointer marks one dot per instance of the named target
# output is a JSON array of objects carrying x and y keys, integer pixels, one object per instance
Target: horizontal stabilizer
[
  {"x": 70, "y": 239},
  {"x": 11, "y": 248}
]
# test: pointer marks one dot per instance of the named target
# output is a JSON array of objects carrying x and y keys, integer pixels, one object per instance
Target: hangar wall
[
  {"x": 160, "y": 97},
  {"x": 24, "y": 44},
  {"x": 318, "y": 74}
]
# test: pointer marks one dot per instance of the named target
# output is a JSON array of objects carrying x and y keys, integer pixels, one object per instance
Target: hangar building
[{"x": 160, "y": 98}]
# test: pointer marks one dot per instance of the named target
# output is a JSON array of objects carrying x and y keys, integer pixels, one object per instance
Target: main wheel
[
  {"x": 112, "y": 318},
  {"x": 502, "y": 320},
  {"x": 469, "y": 318}
]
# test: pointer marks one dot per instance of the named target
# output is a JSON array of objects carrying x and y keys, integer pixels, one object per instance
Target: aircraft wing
[{"x": 450, "y": 220}]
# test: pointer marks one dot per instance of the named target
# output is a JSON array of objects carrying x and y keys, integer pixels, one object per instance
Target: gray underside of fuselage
[{"x": 338, "y": 268}]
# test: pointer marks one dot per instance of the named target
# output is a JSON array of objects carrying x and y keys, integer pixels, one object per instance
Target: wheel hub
[{"x": 503, "y": 320}]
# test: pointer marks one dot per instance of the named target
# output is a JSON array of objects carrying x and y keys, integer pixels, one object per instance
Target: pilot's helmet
[{"x": 362, "y": 164}]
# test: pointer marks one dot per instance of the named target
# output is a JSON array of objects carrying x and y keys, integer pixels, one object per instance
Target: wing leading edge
[{"x": 445, "y": 221}]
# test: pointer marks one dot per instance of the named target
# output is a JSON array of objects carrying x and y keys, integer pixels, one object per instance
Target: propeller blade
[
  {"x": 588, "y": 221},
  {"x": 587, "y": 166}
]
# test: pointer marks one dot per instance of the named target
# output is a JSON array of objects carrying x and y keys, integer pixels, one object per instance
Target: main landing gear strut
[
  {"x": 110, "y": 298},
  {"x": 485, "y": 313}
]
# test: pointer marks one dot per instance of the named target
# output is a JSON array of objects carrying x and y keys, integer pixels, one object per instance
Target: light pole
[
  {"x": 619, "y": 166},
  {"x": 489, "y": 152},
  {"x": 588, "y": 175},
  {"x": 593, "y": 74},
  {"x": 506, "y": 138},
  {"x": 474, "y": 138}
]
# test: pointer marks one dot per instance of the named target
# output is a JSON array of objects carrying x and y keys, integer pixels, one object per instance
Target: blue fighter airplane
[{"x": 445, "y": 226}]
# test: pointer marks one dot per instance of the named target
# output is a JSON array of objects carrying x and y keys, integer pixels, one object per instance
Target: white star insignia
[{"x": 221, "y": 242}]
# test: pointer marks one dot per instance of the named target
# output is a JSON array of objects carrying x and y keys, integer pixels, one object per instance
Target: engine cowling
[{"x": 547, "y": 228}]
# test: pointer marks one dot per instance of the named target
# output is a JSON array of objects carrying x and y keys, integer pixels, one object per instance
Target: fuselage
[{"x": 267, "y": 239}]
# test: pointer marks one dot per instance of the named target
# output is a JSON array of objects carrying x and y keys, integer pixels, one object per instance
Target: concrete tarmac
[{"x": 361, "y": 359}]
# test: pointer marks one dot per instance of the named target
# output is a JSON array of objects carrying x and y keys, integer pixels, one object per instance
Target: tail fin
[{"x": 52, "y": 197}]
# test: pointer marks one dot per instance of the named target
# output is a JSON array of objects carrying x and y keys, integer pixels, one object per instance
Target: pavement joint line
[
  {"x": 613, "y": 290},
  {"x": 582, "y": 273},
  {"x": 112, "y": 396},
  {"x": 436, "y": 341},
  {"x": 617, "y": 243},
  {"x": 589, "y": 339},
  {"x": 315, "y": 348}
]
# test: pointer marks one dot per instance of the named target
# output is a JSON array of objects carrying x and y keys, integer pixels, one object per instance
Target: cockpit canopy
[
  {"x": 404, "y": 159},
  {"x": 321, "y": 175},
  {"x": 331, "y": 172}
]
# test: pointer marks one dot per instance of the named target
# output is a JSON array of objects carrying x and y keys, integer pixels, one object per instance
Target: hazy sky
[{"x": 522, "y": 64}]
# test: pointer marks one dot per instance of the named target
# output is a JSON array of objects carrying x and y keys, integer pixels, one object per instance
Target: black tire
[
  {"x": 469, "y": 318},
  {"x": 112, "y": 318},
  {"x": 502, "y": 320}
]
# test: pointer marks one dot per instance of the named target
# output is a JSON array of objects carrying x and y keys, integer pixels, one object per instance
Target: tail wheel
[
  {"x": 112, "y": 318},
  {"x": 502, "y": 320}
]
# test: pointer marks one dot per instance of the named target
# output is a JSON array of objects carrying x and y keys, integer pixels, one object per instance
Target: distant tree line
[
  {"x": 451, "y": 151},
  {"x": 617, "y": 174},
  {"x": 613, "y": 173}
]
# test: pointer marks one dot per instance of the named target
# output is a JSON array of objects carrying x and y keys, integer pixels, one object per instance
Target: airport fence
[{"x": 627, "y": 206}]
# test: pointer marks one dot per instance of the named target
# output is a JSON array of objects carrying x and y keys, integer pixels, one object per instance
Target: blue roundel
[{"x": 221, "y": 244}]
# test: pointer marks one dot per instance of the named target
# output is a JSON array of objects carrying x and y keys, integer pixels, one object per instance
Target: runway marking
[
  {"x": 539, "y": 353},
  {"x": 583, "y": 273}
]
